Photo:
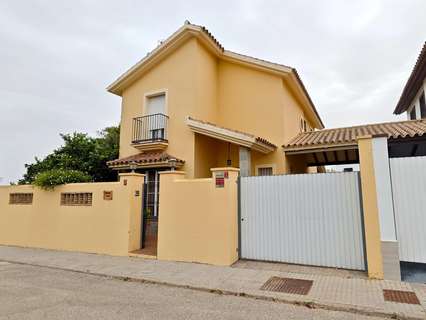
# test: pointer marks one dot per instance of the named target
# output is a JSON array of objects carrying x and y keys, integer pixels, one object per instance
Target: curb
[{"x": 365, "y": 311}]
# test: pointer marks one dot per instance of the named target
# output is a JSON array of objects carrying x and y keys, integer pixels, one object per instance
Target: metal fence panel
[
  {"x": 312, "y": 219},
  {"x": 408, "y": 176}
]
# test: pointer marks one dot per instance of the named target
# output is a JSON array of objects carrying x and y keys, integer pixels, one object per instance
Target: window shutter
[{"x": 156, "y": 104}]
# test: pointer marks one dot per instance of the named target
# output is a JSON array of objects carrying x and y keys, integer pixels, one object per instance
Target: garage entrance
[
  {"x": 310, "y": 219},
  {"x": 408, "y": 176}
]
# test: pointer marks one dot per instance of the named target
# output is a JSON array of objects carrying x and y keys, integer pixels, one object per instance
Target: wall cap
[
  {"x": 365, "y": 137},
  {"x": 225, "y": 169},
  {"x": 372, "y": 136},
  {"x": 172, "y": 172},
  {"x": 131, "y": 174}
]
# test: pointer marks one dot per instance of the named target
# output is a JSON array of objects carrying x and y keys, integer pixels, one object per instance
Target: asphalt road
[{"x": 28, "y": 292}]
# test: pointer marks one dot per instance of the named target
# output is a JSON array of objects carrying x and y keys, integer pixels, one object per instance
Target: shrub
[
  {"x": 50, "y": 179},
  {"x": 80, "y": 152}
]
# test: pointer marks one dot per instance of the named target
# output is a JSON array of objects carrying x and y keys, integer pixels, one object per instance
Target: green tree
[
  {"x": 79, "y": 153},
  {"x": 49, "y": 179}
]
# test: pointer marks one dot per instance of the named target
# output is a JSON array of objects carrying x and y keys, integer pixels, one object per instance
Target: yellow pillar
[
  {"x": 133, "y": 187},
  {"x": 370, "y": 208}
]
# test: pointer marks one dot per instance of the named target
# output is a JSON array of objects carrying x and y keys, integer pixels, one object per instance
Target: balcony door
[{"x": 155, "y": 107}]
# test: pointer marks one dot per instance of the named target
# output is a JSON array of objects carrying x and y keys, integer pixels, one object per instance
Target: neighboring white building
[{"x": 412, "y": 100}]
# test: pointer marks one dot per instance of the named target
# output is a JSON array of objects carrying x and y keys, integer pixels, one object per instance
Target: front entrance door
[{"x": 150, "y": 212}]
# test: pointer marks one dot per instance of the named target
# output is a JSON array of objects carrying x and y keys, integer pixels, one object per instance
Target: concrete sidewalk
[{"x": 329, "y": 292}]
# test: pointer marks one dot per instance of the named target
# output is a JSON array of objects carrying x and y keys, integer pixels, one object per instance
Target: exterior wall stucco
[
  {"x": 205, "y": 87},
  {"x": 176, "y": 74},
  {"x": 108, "y": 226},
  {"x": 205, "y": 155},
  {"x": 203, "y": 228},
  {"x": 261, "y": 104}
]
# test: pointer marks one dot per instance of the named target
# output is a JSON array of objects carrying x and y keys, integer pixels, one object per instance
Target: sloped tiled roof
[
  {"x": 349, "y": 135},
  {"x": 414, "y": 83},
  {"x": 144, "y": 158}
]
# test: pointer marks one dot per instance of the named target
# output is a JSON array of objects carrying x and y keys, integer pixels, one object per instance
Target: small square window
[
  {"x": 107, "y": 195},
  {"x": 265, "y": 171}
]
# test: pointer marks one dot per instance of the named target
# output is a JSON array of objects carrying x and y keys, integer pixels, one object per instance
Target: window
[
  {"x": 156, "y": 104},
  {"x": 76, "y": 199},
  {"x": 422, "y": 105},
  {"x": 20, "y": 198},
  {"x": 156, "y": 108},
  {"x": 413, "y": 113},
  {"x": 265, "y": 171}
]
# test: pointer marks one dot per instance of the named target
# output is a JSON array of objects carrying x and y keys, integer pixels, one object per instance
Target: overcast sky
[{"x": 57, "y": 57}]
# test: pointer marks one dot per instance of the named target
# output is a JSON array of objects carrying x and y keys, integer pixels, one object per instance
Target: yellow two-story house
[{"x": 192, "y": 105}]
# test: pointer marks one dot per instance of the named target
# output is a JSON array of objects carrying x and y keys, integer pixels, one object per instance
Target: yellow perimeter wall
[
  {"x": 198, "y": 222},
  {"x": 108, "y": 226}
]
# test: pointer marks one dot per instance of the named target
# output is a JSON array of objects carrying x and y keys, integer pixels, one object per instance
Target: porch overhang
[
  {"x": 340, "y": 145},
  {"x": 327, "y": 154},
  {"x": 232, "y": 136},
  {"x": 146, "y": 160}
]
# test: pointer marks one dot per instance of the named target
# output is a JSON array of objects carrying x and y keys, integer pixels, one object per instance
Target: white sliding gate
[
  {"x": 408, "y": 176},
  {"x": 312, "y": 219}
]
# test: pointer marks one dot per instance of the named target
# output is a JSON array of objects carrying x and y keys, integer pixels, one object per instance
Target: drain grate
[
  {"x": 400, "y": 296},
  {"x": 288, "y": 285}
]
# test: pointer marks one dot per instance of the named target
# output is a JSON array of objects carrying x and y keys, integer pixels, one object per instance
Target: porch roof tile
[
  {"x": 349, "y": 135},
  {"x": 144, "y": 159}
]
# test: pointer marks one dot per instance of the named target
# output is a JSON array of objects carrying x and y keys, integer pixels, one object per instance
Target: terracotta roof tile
[
  {"x": 349, "y": 135},
  {"x": 144, "y": 158}
]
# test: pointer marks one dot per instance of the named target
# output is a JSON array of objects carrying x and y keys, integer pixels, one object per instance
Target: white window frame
[
  {"x": 413, "y": 106},
  {"x": 260, "y": 166},
  {"x": 152, "y": 94}
]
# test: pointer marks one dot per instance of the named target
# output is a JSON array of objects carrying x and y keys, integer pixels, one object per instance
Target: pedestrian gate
[
  {"x": 311, "y": 219},
  {"x": 408, "y": 176}
]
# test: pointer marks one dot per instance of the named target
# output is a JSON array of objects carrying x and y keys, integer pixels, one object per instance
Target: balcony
[{"x": 150, "y": 132}]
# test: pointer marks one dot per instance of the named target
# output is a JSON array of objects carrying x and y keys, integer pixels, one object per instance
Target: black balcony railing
[{"x": 150, "y": 128}]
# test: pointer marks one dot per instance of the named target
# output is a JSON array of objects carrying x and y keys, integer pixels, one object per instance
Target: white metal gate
[
  {"x": 312, "y": 219},
  {"x": 408, "y": 176}
]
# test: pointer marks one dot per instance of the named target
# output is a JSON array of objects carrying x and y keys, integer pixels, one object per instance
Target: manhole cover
[
  {"x": 400, "y": 296},
  {"x": 288, "y": 285}
]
